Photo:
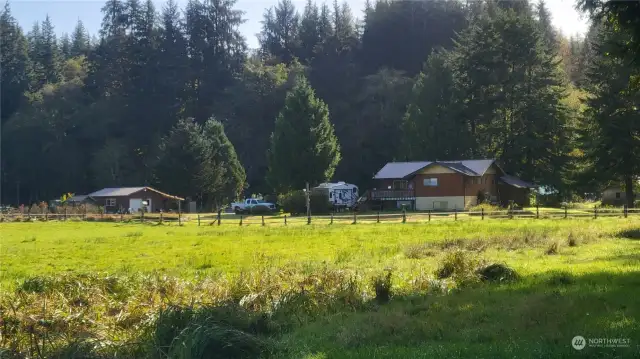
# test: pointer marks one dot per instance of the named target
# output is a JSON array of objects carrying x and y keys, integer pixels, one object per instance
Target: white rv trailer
[{"x": 341, "y": 194}]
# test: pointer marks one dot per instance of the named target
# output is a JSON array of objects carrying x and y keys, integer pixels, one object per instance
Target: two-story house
[{"x": 446, "y": 185}]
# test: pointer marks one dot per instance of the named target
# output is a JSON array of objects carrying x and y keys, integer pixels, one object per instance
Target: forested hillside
[{"x": 172, "y": 97}]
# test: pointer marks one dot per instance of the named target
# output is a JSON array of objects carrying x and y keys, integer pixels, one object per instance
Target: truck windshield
[{"x": 261, "y": 201}]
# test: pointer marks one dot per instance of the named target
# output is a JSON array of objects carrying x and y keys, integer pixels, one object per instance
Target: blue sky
[{"x": 65, "y": 13}]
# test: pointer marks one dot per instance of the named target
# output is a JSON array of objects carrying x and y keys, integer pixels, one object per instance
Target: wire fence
[{"x": 219, "y": 218}]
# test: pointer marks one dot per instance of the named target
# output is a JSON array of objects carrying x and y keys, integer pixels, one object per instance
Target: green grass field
[{"x": 319, "y": 291}]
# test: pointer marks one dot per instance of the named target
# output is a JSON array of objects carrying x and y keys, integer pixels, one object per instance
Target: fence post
[
  {"x": 65, "y": 213},
  {"x": 429, "y": 212},
  {"x": 263, "y": 220},
  {"x": 482, "y": 212},
  {"x": 219, "y": 216},
  {"x": 331, "y": 218},
  {"x": 142, "y": 216},
  {"x": 565, "y": 211},
  {"x": 404, "y": 215},
  {"x": 595, "y": 212},
  {"x": 29, "y": 213},
  {"x": 378, "y": 219},
  {"x": 537, "y": 211},
  {"x": 46, "y": 214},
  {"x": 308, "y": 217},
  {"x": 198, "y": 219},
  {"x": 160, "y": 216},
  {"x": 240, "y": 220},
  {"x": 455, "y": 214},
  {"x": 121, "y": 216},
  {"x": 84, "y": 212},
  {"x": 625, "y": 211},
  {"x": 355, "y": 219},
  {"x": 285, "y": 219}
]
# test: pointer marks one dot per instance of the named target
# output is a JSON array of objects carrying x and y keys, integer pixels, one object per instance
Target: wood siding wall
[{"x": 158, "y": 202}]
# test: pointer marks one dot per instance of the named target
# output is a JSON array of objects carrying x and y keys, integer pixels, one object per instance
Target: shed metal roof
[
  {"x": 516, "y": 182},
  {"x": 127, "y": 191}
]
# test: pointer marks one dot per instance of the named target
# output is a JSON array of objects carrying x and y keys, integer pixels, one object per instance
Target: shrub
[
  {"x": 382, "y": 287},
  {"x": 458, "y": 265},
  {"x": 295, "y": 202},
  {"x": 261, "y": 209},
  {"x": 552, "y": 249},
  {"x": 497, "y": 272},
  {"x": 225, "y": 331},
  {"x": 572, "y": 241}
]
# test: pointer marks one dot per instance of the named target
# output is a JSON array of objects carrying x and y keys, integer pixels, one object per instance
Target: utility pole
[{"x": 18, "y": 193}]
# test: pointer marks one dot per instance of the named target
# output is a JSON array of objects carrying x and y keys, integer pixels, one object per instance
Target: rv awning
[{"x": 516, "y": 182}]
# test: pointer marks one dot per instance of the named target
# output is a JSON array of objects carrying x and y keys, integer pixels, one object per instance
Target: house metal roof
[
  {"x": 400, "y": 169},
  {"x": 127, "y": 191},
  {"x": 403, "y": 169}
]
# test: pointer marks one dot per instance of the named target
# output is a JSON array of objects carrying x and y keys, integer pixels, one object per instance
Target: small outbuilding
[{"x": 134, "y": 199}]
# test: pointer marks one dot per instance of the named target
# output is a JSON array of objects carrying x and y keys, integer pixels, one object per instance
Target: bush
[
  {"x": 382, "y": 288},
  {"x": 572, "y": 241},
  {"x": 261, "y": 209},
  {"x": 552, "y": 249},
  {"x": 295, "y": 203},
  {"x": 497, "y": 272},
  {"x": 458, "y": 265}
]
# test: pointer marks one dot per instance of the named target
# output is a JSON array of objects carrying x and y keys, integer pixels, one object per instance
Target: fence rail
[{"x": 352, "y": 218}]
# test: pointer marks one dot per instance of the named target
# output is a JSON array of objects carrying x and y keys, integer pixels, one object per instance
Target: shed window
[
  {"x": 111, "y": 202},
  {"x": 618, "y": 195},
  {"x": 430, "y": 182}
]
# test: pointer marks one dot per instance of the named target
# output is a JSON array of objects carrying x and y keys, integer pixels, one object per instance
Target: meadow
[{"x": 487, "y": 289}]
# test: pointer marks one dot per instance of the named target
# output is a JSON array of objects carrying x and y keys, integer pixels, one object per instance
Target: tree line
[{"x": 174, "y": 98}]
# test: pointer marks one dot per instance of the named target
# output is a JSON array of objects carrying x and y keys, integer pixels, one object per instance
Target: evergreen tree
[
  {"x": 280, "y": 31},
  {"x": 15, "y": 64},
  {"x": 309, "y": 31},
  {"x": 304, "y": 147},
  {"x": 212, "y": 171},
  {"x": 611, "y": 135},
  {"x": 216, "y": 51},
  {"x": 433, "y": 127},
  {"x": 549, "y": 34},
  {"x": 514, "y": 91},
  {"x": 65, "y": 46},
  {"x": 80, "y": 43}
]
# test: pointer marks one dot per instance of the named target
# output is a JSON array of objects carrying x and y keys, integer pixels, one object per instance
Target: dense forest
[{"x": 173, "y": 97}]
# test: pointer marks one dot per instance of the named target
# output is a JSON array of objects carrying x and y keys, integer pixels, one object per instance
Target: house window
[
  {"x": 430, "y": 182},
  {"x": 111, "y": 202},
  {"x": 617, "y": 195},
  {"x": 400, "y": 184}
]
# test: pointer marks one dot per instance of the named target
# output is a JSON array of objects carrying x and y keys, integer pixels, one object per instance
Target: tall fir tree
[
  {"x": 280, "y": 32},
  {"x": 304, "y": 147},
  {"x": 611, "y": 130},
  {"x": 15, "y": 64},
  {"x": 80, "y": 42}
]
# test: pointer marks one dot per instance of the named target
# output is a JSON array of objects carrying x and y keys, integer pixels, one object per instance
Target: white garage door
[{"x": 135, "y": 204}]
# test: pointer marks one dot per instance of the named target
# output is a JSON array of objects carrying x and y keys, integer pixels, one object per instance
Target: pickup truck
[{"x": 248, "y": 204}]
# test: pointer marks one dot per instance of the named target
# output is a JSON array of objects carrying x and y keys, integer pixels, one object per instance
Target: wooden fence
[{"x": 352, "y": 218}]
